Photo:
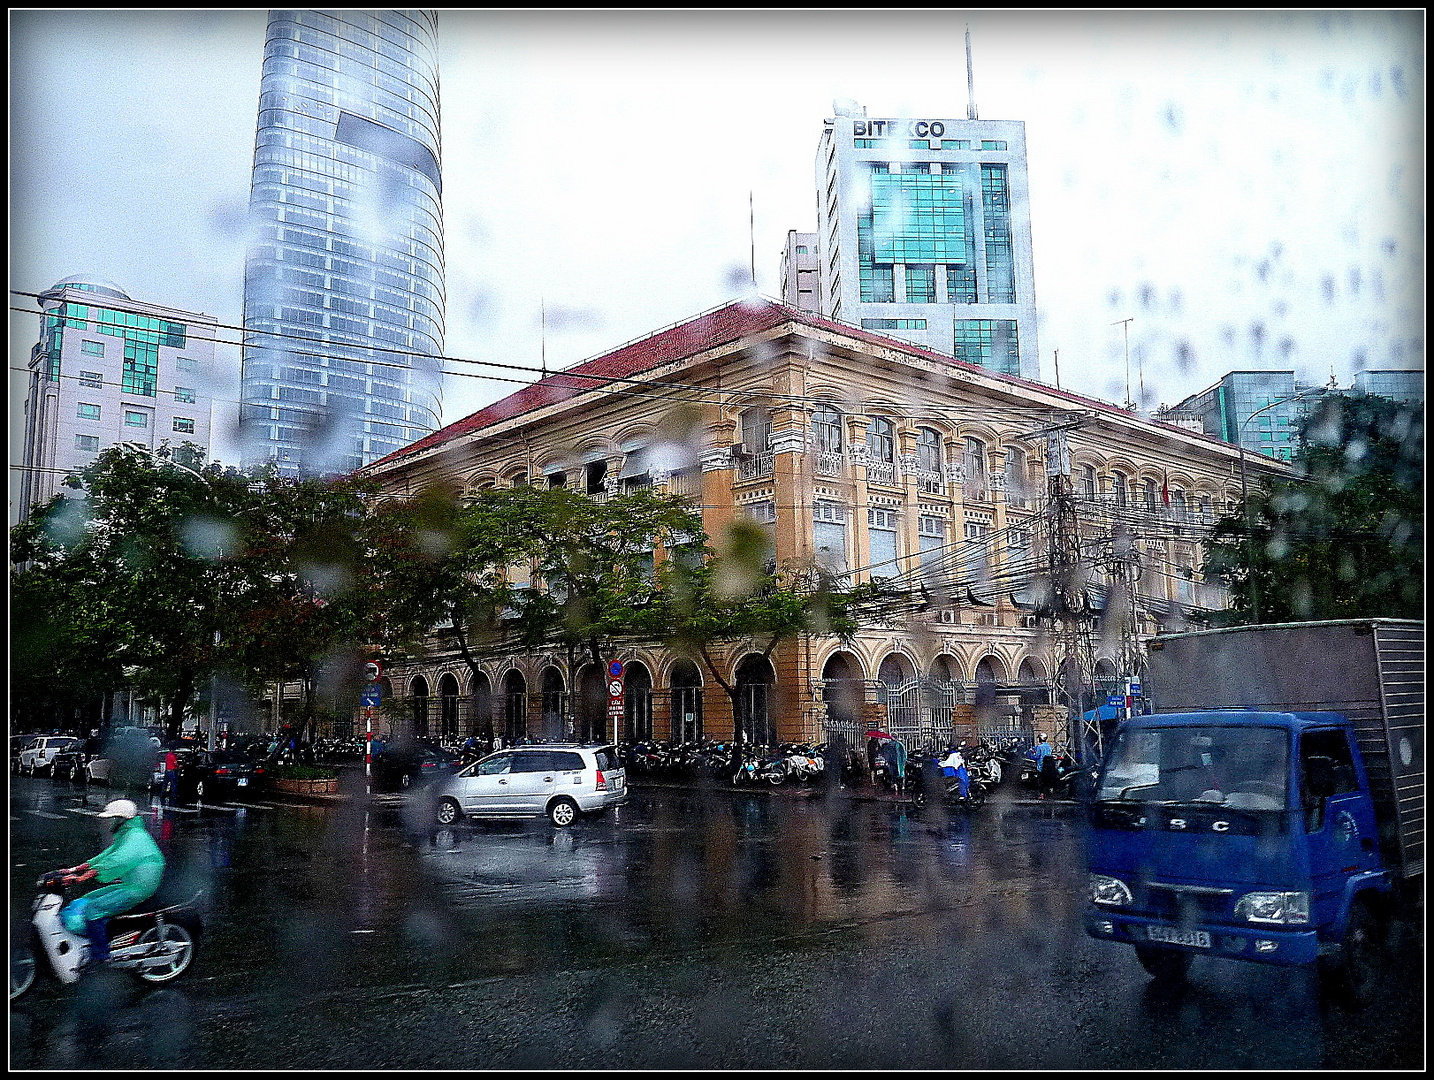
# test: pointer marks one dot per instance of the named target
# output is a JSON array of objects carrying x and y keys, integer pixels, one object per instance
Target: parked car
[
  {"x": 412, "y": 764},
  {"x": 72, "y": 763},
  {"x": 37, "y": 757},
  {"x": 17, "y": 744},
  {"x": 559, "y": 780},
  {"x": 205, "y": 775}
]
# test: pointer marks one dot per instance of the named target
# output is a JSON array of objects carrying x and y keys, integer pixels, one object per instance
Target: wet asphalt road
[{"x": 683, "y": 930}]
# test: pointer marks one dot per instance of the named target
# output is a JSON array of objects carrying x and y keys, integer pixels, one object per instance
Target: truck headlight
[
  {"x": 1108, "y": 890},
  {"x": 1277, "y": 908}
]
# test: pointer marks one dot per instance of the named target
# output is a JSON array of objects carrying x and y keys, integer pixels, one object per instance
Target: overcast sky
[{"x": 1249, "y": 188}]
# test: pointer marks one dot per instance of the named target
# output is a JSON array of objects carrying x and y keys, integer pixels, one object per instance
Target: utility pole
[{"x": 1065, "y": 603}]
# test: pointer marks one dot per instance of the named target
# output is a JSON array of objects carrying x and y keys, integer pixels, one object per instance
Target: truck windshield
[{"x": 1244, "y": 768}]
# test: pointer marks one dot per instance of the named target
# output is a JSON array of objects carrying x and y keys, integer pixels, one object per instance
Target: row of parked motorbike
[{"x": 988, "y": 766}]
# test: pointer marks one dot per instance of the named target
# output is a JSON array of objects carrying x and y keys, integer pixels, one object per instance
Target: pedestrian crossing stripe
[
  {"x": 46, "y": 814},
  {"x": 82, "y": 810}
]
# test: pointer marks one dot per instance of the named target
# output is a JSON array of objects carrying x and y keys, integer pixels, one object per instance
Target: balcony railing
[
  {"x": 758, "y": 465},
  {"x": 830, "y": 463},
  {"x": 881, "y": 472}
]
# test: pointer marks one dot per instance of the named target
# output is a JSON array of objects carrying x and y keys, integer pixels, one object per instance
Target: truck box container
[{"x": 1370, "y": 670}]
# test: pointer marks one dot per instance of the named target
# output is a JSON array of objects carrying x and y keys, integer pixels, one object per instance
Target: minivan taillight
[{"x": 601, "y": 783}]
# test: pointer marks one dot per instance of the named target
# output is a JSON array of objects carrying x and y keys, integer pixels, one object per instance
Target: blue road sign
[{"x": 372, "y": 694}]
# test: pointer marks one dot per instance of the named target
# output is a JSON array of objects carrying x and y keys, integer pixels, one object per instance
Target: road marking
[
  {"x": 47, "y": 814},
  {"x": 79, "y": 810},
  {"x": 217, "y": 806},
  {"x": 173, "y": 809},
  {"x": 250, "y": 806}
]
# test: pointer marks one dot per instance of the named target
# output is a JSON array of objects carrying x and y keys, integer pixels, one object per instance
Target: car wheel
[
  {"x": 1164, "y": 965},
  {"x": 176, "y": 949},
  {"x": 449, "y": 812},
  {"x": 1351, "y": 976},
  {"x": 562, "y": 812}
]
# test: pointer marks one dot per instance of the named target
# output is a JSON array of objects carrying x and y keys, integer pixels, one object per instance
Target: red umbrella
[{"x": 877, "y": 735}]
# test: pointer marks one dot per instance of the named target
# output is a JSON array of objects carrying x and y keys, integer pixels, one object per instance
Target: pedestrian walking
[
  {"x": 170, "y": 792},
  {"x": 1045, "y": 759}
]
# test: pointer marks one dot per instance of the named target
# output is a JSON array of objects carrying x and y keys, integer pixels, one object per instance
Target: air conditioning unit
[
  {"x": 1030, "y": 622},
  {"x": 947, "y": 616}
]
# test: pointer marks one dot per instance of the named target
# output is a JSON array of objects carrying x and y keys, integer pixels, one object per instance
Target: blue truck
[{"x": 1271, "y": 809}]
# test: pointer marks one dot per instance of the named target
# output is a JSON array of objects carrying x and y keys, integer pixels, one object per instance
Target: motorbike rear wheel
[
  {"x": 23, "y": 963},
  {"x": 177, "y": 943}
]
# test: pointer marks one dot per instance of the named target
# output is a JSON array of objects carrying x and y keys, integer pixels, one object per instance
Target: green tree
[
  {"x": 738, "y": 593},
  {"x": 1344, "y": 537},
  {"x": 523, "y": 567},
  {"x": 129, "y": 577}
]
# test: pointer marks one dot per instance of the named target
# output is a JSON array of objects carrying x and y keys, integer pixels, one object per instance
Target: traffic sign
[
  {"x": 614, "y": 669},
  {"x": 372, "y": 694},
  {"x": 1116, "y": 700}
]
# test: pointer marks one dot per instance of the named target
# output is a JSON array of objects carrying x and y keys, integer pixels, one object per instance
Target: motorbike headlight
[
  {"x": 1277, "y": 908},
  {"x": 1109, "y": 891}
]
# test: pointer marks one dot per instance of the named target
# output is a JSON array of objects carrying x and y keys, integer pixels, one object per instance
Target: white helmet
[{"x": 119, "y": 808}]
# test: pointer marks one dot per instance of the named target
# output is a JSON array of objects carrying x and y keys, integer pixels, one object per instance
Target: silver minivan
[{"x": 559, "y": 780}]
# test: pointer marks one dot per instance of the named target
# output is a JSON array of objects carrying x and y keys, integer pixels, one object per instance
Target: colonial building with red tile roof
[{"x": 873, "y": 457}]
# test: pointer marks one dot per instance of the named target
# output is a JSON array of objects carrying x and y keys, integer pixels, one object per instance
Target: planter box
[{"x": 306, "y": 787}]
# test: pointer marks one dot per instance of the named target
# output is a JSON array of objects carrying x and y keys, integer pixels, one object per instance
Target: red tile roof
[{"x": 731, "y": 322}]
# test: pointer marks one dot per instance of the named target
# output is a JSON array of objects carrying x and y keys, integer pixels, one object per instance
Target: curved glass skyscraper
[{"x": 343, "y": 286}]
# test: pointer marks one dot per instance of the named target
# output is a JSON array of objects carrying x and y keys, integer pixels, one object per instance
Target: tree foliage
[
  {"x": 157, "y": 575},
  {"x": 1344, "y": 537}
]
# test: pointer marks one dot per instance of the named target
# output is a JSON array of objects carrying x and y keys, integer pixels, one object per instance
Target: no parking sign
[{"x": 614, "y": 690}]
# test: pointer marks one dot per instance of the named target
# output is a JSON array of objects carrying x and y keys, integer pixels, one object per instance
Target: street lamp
[{"x": 1245, "y": 491}]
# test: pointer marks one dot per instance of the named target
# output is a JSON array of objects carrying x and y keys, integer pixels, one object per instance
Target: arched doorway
[
  {"x": 844, "y": 694},
  {"x": 940, "y": 693},
  {"x": 448, "y": 708},
  {"x": 754, "y": 681},
  {"x": 590, "y": 709},
  {"x": 898, "y": 691},
  {"x": 418, "y": 689},
  {"x": 686, "y": 684},
  {"x": 990, "y": 673},
  {"x": 515, "y": 706},
  {"x": 637, "y": 702},
  {"x": 554, "y": 704},
  {"x": 482, "y": 724}
]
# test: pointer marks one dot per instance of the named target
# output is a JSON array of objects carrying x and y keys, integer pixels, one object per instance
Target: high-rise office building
[
  {"x": 344, "y": 286},
  {"x": 108, "y": 369},
  {"x": 1397, "y": 385},
  {"x": 924, "y": 233},
  {"x": 1262, "y": 410}
]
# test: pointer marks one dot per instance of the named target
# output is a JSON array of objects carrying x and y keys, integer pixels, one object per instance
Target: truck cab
[{"x": 1240, "y": 834}]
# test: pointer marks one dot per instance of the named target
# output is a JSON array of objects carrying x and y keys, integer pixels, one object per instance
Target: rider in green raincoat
[{"x": 133, "y": 862}]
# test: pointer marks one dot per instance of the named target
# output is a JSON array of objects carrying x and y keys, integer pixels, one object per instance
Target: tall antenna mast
[
  {"x": 543, "y": 333},
  {"x": 752, "y": 236},
  {"x": 970, "y": 81}
]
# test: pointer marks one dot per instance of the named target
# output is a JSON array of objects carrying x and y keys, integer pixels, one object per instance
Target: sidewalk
[{"x": 860, "y": 791}]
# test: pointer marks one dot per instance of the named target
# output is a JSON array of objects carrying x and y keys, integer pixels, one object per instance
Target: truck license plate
[{"x": 1198, "y": 939}]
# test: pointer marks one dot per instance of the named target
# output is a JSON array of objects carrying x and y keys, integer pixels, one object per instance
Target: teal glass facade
[
  {"x": 344, "y": 293},
  {"x": 989, "y": 343},
  {"x": 923, "y": 223}
]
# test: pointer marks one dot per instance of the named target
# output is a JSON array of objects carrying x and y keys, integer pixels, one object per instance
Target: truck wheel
[
  {"x": 1351, "y": 976},
  {"x": 1164, "y": 965}
]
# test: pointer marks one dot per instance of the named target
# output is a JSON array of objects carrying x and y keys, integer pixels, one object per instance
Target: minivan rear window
[{"x": 607, "y": 758}]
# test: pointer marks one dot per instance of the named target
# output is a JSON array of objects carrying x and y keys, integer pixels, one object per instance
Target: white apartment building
[{"x": 109, "y": 369}]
